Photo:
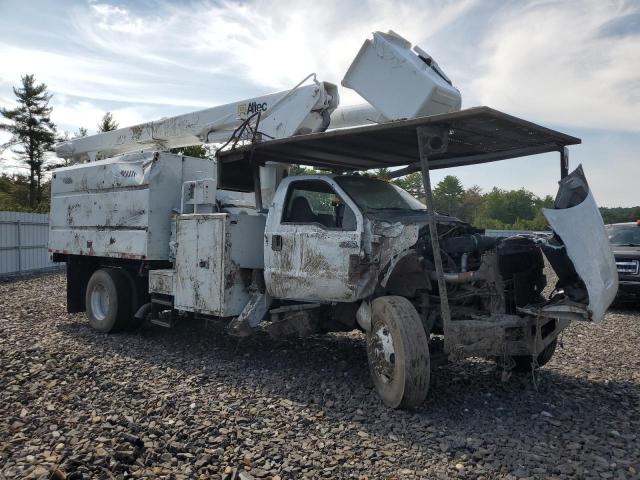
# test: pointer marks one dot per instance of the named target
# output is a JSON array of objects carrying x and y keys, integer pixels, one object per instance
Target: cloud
[
  {"x": 73, "y": 113},
  {"x": 572, "y": 65},
  {"x": 203, "y": 53},
  {"x": 117, "y": 19},
  {"x": 558, "y": 62}
]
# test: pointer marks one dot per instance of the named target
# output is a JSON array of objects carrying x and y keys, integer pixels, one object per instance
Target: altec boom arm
[{"x": 303, "y": 109}]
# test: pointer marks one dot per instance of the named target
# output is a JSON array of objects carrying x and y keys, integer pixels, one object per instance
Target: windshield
[
  {"x": 371, "y": 194},
  {"x": 628, "y": 235}
]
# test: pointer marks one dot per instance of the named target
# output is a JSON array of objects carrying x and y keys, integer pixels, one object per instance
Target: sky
[{"x": 568, "y": 65}]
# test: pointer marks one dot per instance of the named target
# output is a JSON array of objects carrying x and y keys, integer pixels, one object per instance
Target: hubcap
[
  {"x": 382, "y": 355},
  {"x": 99, "y": 302}
]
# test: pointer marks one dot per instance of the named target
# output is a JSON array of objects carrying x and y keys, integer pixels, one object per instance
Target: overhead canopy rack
[
  {"x": 472, "y": 136},
  {"x": 467, "y": 137}
]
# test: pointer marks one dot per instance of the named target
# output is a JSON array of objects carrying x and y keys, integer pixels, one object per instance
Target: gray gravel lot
[{"x": 193, "y": 403}]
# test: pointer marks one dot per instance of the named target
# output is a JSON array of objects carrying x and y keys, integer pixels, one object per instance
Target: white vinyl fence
[{"x": 23, "y": 243}]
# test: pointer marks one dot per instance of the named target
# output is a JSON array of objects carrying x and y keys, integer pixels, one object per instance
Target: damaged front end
[{"x": 496, "y": 286}]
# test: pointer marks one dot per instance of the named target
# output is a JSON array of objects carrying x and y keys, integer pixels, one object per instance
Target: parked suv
[{"x": 625, "y": 243}]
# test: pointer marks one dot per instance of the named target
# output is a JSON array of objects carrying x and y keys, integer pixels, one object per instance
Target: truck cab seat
[{"x": 301, "y": 211}]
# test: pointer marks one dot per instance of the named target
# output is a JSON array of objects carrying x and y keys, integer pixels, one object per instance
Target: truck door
[{"x": 312, "y": 240}]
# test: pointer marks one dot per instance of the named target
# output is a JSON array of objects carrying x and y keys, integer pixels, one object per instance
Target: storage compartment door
[
  {"x": 199, "y": 282},
  {"x": 186, "y": 266},
  {"x": 210, "y": 268}
]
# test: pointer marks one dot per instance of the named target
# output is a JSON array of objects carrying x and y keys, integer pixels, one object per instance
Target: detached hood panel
[{"x": 580, "y": 227}]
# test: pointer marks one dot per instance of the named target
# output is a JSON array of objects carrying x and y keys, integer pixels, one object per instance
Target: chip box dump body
[{"x": 120, "y": 207}]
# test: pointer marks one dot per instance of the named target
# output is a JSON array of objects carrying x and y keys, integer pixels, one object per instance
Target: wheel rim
[
  {"x": 99, "y": 302},
  {"x": 382, "y": 354}
]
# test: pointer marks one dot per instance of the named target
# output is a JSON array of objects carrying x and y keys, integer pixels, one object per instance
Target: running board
[{"x": 165, "y": 320}]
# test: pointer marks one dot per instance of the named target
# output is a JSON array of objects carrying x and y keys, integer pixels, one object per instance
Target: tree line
[
  {"x": 32, "y": 139},
  {"x": 495, "y": 209},
  {"x": 33, "y": 136}
]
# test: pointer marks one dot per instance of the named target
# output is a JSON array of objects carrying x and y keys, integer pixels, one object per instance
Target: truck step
[{"x": 162, "y": 323}]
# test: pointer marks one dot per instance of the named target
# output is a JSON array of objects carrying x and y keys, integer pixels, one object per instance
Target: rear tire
[
  {"x": 108, "y": 300},
  {"x": 398, "y": 353}
]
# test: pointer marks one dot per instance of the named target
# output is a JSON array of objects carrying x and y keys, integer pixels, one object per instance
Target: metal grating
[{"x": 476, "y": 135}]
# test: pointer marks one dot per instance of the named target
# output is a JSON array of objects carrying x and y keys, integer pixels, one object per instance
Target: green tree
[
  {"x": 448, "y": 195},
  {"x": 412, "y": 183},
  {"x": 32, "y": 132},
  {"x": 507, "y": 206},
  {"x": 107, "y": 123},
  {"x": 381, "y": 174},
  {"x": 620, "y": 214},
  {"x": 472, "y": 203},
  {"x": 82, "y": 132},
  {"x": 14, "y": 194},
  {"x": 198, "y": 151}
]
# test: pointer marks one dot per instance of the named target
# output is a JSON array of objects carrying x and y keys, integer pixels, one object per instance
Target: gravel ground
[{"x": 193, "y": 403}]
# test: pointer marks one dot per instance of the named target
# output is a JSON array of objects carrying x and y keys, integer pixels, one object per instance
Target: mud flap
[{"x": 579, "y": 249}]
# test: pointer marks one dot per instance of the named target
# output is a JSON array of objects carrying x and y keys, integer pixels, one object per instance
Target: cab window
[{"x": 316, "y": 202}]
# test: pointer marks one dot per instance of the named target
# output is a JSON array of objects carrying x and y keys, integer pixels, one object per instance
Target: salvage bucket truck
[{"x": 150, "y": 235}]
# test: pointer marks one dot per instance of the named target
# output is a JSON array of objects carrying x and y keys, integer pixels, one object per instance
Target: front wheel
[
  {"x": 398, "y": 353},
  {"x": 523, "y": 362}
]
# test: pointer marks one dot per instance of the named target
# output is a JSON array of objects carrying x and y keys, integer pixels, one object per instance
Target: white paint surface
[{"x": 582, "y": 231}]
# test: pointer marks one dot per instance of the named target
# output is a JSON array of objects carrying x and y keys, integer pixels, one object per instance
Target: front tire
[
  {"x": 108, "y": 300},
  {"x": 398, "y": 353},
  {"x": 523, "y": 362}
]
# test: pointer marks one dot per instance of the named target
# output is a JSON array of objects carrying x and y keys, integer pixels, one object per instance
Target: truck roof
[{"x": 476, "y": 135}]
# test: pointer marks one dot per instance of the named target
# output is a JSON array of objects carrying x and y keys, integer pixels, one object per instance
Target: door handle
[{"x": 276, "y": 243}]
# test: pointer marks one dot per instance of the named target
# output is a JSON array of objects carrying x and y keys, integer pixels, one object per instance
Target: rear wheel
[
  {"x": 108, "y": 300},
  {"x": 398, "y": 353}
]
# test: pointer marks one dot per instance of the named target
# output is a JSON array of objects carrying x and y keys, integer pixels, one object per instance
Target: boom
[{"x": 303, "y": 109}]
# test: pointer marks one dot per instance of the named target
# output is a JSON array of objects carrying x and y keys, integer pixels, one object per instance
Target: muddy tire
[
  {"x": 398, "y": 353},
  {"x": 108, "y": 300},
  {"x": 523, "y": 362}
]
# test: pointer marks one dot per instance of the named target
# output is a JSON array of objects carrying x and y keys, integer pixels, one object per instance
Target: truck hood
[{"x": 582, "y": 244}]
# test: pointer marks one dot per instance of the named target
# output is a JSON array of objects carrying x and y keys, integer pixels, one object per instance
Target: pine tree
[
  {"x": 107, "y": 123},
  {"x": 447, "y": 196},
  {"x": 32, "y": 131}
]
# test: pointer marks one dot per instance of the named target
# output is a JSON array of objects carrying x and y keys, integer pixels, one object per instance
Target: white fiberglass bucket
[{"x": 398, "y": 82}]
